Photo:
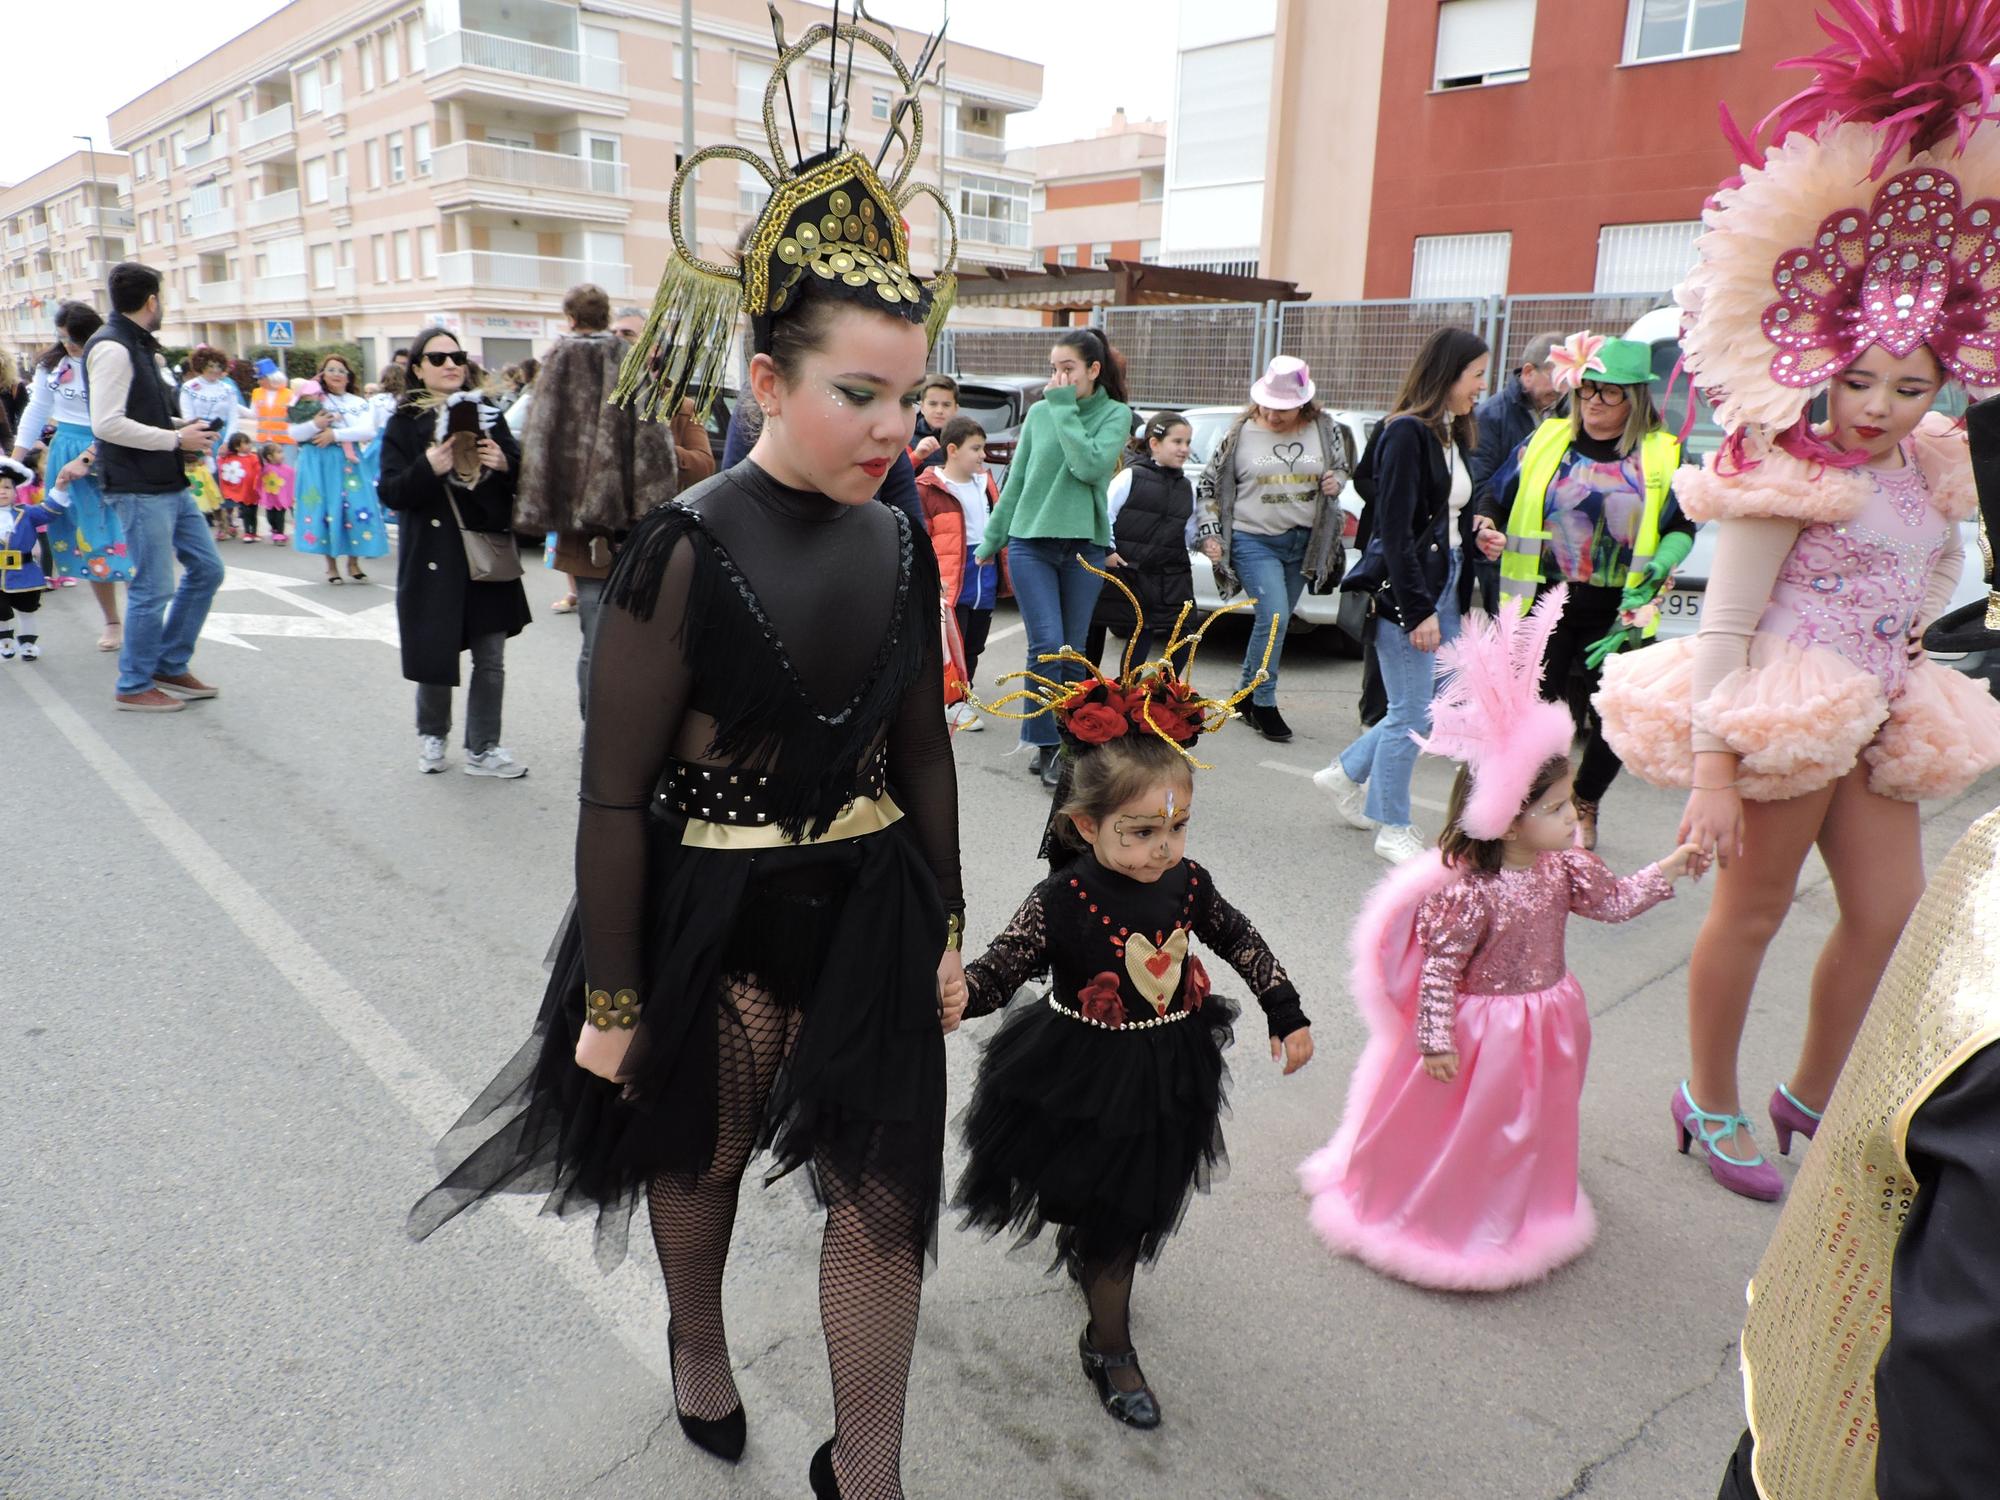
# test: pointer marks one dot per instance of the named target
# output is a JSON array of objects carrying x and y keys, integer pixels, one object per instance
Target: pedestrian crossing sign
[{"x": 278, "y": 333}]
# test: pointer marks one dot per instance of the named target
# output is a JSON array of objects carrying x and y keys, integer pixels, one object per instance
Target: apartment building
[
  {"x": 366, "y": 167},
  {"x": 1098, "y": 199},
  {"x": 61, "y": 228}
]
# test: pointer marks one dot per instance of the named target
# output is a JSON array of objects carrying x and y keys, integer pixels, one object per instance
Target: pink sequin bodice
[
  {"x": 1855, "y": 587},
  {"x": 1502, "y": 934}
]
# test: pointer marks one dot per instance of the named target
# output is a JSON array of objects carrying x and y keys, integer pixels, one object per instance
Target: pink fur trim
[
  {"x": 1940, "y": 448},
  {"x": 1943, "y": 734},
  {"x": 1501, "y": 781},
  {"x": 1535, "y": 1252},
  {"x": 1643, "y": 703},
  {"x": 1388, "y": 920}
]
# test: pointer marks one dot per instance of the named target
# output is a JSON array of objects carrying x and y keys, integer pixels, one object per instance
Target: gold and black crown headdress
[{"x": 831, "y": 226}]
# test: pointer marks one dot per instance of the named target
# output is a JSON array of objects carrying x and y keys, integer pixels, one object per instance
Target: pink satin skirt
[{"x": 1469, "y": 1185}]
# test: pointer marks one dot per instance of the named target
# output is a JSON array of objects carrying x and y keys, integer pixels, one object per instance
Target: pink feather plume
[{"x": 1918, "y": 70}]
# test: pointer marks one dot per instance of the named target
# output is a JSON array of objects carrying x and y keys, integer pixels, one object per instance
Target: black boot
[
  {"x": 1036, "y": 761},
  {"x": 1270, "y": 723},
  {"x": 1052, "y": 769},
  {"x": 722, "y": 1436}
]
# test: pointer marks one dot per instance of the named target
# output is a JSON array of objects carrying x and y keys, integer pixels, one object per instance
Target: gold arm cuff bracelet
[
  {"x": 954, "y": 932},
  {"x": 605, "y": 1010}
]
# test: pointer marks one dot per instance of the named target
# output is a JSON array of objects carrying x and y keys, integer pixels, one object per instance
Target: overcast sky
[{"x": 64, "y": 82}]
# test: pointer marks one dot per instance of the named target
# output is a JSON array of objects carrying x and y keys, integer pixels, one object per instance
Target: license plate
[{"x": 1681, "y": 604}]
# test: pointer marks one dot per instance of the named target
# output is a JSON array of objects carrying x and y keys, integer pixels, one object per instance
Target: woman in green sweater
[{"x": 1053, "y": 508}]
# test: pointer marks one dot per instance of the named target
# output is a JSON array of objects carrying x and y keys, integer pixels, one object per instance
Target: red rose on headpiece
[
  {"x": 1101, "y": 1002},
  {"x": 1097, "y": 723},
  {"x": 1169, "y": 720},
  {"x": 1197, "y": 983}
]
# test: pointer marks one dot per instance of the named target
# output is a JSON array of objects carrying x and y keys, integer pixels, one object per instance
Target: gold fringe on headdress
[
  {"x": 830, "y": 217},
  {"x": 1139, "y": 686}
]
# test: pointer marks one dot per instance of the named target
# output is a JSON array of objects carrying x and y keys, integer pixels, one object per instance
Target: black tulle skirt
[
  {"x": 1104, "y": 1135},
  {"x": 846, "y": 933}
]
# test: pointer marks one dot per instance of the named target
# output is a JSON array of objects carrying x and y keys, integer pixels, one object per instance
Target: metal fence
[
  {"x": 1360, "y": 351},
  {"x": 1190, "y": 355}
]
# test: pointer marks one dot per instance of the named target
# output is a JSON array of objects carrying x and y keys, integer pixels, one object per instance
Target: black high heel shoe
[
  {"x": 825, "y": 1485},
  {"x": 1140, "y": 1408},
  {"x": 722, "y": 1436}
]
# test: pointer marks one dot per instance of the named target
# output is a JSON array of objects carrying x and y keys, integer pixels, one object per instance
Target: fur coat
[{"x": 587, "y": 467}]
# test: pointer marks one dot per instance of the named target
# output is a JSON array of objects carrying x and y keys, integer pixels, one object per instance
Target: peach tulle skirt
[{"x": 1800, "y": 719}]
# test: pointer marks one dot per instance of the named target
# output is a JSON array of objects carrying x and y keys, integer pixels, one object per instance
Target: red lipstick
[
  {"x": 1868, "y": 434},
  {"x": 875, "y": 468}
]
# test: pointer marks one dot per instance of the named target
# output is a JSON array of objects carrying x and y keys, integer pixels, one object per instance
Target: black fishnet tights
[
  {"x": 1107, "y": 1288},
  {"x": 870, "y": 1275}
]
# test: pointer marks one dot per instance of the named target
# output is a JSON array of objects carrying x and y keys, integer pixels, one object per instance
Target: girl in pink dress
[
  {"x": 1455, "y": 1164},
  {"x": 1854, "y": 255}
]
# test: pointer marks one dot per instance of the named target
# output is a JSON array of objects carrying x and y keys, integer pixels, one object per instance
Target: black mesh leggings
[{"x": 870, "y": 1270}]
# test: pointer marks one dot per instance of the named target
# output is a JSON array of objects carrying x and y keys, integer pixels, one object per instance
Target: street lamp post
[{"x": 96, "y": 240}]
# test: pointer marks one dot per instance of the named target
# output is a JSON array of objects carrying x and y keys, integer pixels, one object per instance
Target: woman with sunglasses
[
  {"x": 441, "y": 611},
  {"x": 338, "y": 512},
  {"x": 1588, "y": 501}
]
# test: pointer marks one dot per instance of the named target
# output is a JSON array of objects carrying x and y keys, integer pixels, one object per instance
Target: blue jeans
[
  {"x": 1386, "y": 756},
  {"x": 1271, "y": 570},
  {"x": 163, "y": 622},
  {"x": 1056, "y": 598}
]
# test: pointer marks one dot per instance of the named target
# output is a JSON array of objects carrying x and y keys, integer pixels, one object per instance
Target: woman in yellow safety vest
[{"x": 1587, "y": 500}]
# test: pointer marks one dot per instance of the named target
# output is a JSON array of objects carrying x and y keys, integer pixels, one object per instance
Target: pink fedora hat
[{"x": 1287, "y": 383}]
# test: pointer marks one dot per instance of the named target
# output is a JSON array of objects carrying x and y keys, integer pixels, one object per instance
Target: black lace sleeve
[
  {"x": 639, "y": 688},
  {"x": 1230, "y": 934},
  {"x": 1017, "y": 955},
  {"x": 922, "y": 772}
]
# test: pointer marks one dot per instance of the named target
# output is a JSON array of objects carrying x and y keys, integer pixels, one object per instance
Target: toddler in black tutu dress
[{"x": 1096, "y": 1105}]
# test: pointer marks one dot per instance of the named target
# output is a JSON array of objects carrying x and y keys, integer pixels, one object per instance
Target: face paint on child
[{"x": 1145, "y": 837}]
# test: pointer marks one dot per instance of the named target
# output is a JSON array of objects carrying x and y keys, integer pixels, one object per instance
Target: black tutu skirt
[
  {"x": 1104, "y": 1134},
  {"x": 846, "y": 933}
]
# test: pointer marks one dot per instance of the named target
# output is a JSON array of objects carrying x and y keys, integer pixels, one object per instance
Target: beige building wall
[
  {"x": 1099, "y": 196},
  {"x": 60, "y": 230},
  {"x": 365, "y": 167},
  {"x": 1326, "y": 91}
]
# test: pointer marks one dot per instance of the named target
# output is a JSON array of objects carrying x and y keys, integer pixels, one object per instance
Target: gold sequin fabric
[
  {"x": 847, "y": 243},
  {"x": 1820, "y": 1311}
]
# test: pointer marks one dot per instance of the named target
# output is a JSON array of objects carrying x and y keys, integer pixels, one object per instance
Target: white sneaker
[
  {"x": 961, "y": 716},
  {"x": 1399, "y": 842},
  {"x": 31, "y": 651},
  {"x": 494, "y": 762},
  {"x": 6, "y": 648},
  {"x": 1350, "y": 797},
  {"x": 430, "y": 754}
]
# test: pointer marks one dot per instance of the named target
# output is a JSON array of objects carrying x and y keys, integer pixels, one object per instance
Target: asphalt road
[{"x": 252, "y": 964}]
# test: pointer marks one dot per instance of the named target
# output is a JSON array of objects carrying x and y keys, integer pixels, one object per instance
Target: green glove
[
  {"x": 1611, "y": 645},
  {"x": 1674, "y": 548}
]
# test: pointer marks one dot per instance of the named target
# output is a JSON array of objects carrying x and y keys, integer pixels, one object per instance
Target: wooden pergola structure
[{"x": 1060, "y": 291}]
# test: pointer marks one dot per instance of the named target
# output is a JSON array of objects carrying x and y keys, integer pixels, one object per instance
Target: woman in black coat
[
  {"x": 440, "y": 610},
  {"x": 1421, "y": 485}
]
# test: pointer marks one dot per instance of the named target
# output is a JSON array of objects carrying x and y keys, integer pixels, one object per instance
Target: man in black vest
[{"x": 140, "y": 443}]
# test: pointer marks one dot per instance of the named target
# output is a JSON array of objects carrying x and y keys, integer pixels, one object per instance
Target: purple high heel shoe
[
  {"x": 1754, "y": 1178},
  {"x": 1789, "y": 1118}
]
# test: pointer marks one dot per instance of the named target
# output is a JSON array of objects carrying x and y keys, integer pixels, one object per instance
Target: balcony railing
[
  {"x": 278, "y": 291},
  {"x": 215, "y": 221},
  {"x": 549, "y": 170},
  {"x": 216, "y": 293},
  {"x": 528, "y": 273},
  {"x": 38, "y": 234},
  {"x": 272, "y": 208},
  {"x": 268, "y": 126},
  {"x": 975, "y": 147},
  {"x": 17, "y": 241},
  {"x": 506, "y": 54},
  {"x": 201, "y": 153}
]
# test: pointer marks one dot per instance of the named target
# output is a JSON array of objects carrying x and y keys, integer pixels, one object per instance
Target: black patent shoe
[
  {"x": 1140, "y": 1408},
  {"x": 1270, "y": 723},
  {"x": 722, "y": 1436},
  {"x": 825, "y": 1485}
]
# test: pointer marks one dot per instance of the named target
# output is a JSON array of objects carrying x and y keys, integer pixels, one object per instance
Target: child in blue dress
[{"x": 22, "y": 581}]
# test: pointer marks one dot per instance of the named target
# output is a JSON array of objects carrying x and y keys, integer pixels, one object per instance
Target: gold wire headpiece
[
  {"x": 1152, "y": 697},
  {"x": 831, "y": 217}
]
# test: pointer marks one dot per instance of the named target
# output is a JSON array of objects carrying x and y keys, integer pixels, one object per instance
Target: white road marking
[
  {"x": 320, "y": 622},
  {"x": 1006, "y": 633},
  {"x": 1308, "y": 771},
  {"x": 405, "y": 1076}
]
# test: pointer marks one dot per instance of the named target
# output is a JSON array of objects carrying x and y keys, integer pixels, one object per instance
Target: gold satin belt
[{"x": 864, "y": 815}]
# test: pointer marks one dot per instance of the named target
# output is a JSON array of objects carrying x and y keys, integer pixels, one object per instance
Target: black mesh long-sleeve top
[
  {"x": 753, "y": 626},
  {"x": 1118, "y": 948}
]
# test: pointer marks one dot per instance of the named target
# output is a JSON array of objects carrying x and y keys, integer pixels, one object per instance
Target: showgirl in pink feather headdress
[
  {"x": 1455, "y": 1163},
  {"x": 1858, "y": 253}
]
